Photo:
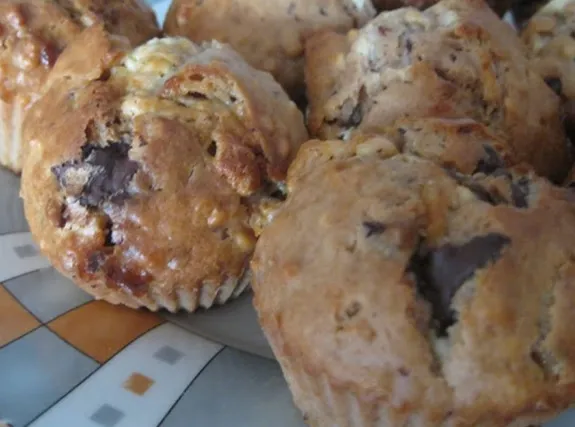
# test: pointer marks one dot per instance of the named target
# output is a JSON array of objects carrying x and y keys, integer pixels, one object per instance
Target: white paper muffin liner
[
  {"x": 206, "y": 296},
  {"x": 11, "y": 117}
]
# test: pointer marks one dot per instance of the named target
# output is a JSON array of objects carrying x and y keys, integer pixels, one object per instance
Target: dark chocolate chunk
[
  {"x": 279, "y": 195},
  {"x": 131, "y": 279},
  {"x": 353, "y": 310},
  {"x": 213, "y": 149},
  {"x": 373, "y": 228},
  {"x": 48, "y": 55},
  {"x": 408, "y": 45},
  {"x": 355, "y": 117},
  {"x": 520, "y": 193},
  {"x": 95, "y": 261},
  {"x": 383, "y": 30},
  {"x": 480, "y": 192},
  {"x": 108, "y": 238},
  {"x": 555, "y": 84},
  {"x": 442, "y": 74},
  {"x": 109, "y": 171},
  {"x": 491, "y": 162},
  {"x": 440, "y": 272}
]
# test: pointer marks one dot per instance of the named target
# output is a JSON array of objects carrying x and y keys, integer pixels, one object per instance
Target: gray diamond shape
[
  {"x": 169, "y": 355},
  {"x": 107, "y": 416},
  {"x": 26, "y": 251}
]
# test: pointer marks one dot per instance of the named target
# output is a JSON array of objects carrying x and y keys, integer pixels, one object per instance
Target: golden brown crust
[
  {"x": 344, "y": 282},
  {"x": 269, "y": 35},
  {"x": 550, "y": 41},
  {"x": 457, "y": 59},
  {"x": 141, "y": 175},
  {"x": 551, "y": 47},
  {"x": 500, "y": 6},
  {"x": 33, "y": 33}
]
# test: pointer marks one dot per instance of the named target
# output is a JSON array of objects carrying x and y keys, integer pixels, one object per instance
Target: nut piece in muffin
[
  {"x": 269, "y": 34},
  {"x": 397, "y": 293},
  {"x": 500, "y": 6},
  {"x": 550, "y": 40},
  {"x": 33, "y": 33},
  {"x": 144, "y": 168},
  {"x": 456, "y": 59}
]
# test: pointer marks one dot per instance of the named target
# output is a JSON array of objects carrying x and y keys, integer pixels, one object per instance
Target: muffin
[
  {"x": 269, "y": 34},
  {"x": 456, "y": 59},
  {"x": 397, "y": 293},
  {"x": 500, "y": 6},
  {"x": 33, "y": 33},
  {"x": 550, "y": 40},
  {"x": 145, "y": 168}
]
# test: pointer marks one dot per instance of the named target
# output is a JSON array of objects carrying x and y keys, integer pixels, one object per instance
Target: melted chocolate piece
[
  {"x": 490, "y": 163},
  {"x": 442, "y": 271},
  {"x": 355, "y": 117},
  {"x": 109, "y": 171},
  {"x": 373, "y": 228},
  {"x": 520, "y": 193},
  {"x": 555, "y": 84},
  {"x": 95, "y": 261},
  {"x": 131, "y": 279},
  {"x": 480, "y": 192}
]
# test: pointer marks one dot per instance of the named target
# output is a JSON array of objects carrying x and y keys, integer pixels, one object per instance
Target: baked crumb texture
[
  {"x": 396, "y": 292},
  {"x": 270, "y": 35},
  {"x": 146, "y": 168},
  {"x": 456, "y": 59},
  {"x": 421, "y": 271},
  {"x": 499, "y": 6},
  {"x": 550, "y": 40},
  {"x": 33, "y": 33}
]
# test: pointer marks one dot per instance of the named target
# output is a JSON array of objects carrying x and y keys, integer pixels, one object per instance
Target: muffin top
[
  {"x": 441, "y": 296},
  {"x": 455, "y": 59},
  {"x": 270, "y": 35},
  {"x": 144, "y": 166},
  {"x": 33, "y": 33},
  {"x": 550, "y": 40},
  {"x": 500, "y": 6}
]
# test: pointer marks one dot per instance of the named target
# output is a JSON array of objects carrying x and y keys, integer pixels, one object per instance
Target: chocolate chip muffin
[
  {"x": 145, "y": 168},
  {"x": 395, "y": 292},
  {"x": 456, "y": 59},
  {"x": 550, "y": 40},
  {"x": 269, "y": 34},
  {"x": 33, "y": 33},
  {"x": 500, "y": 6}
]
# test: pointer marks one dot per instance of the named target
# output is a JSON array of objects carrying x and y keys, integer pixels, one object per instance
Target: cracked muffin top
[
  {"x": 144, "y": 167},
  {"x": 421, "y": 296},
  {"x": 270, "y": 35},
  {"x": 550, "y": 40},
  {"x": 34, "y": 33},
  {"x": 456, "y": 59}
]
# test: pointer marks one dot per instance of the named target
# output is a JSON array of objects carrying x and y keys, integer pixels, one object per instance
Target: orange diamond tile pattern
[
  {"x": 101, "y": 330},
  {"x": 138, "y": 384},
  {"x": 15, "y": 321}
]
